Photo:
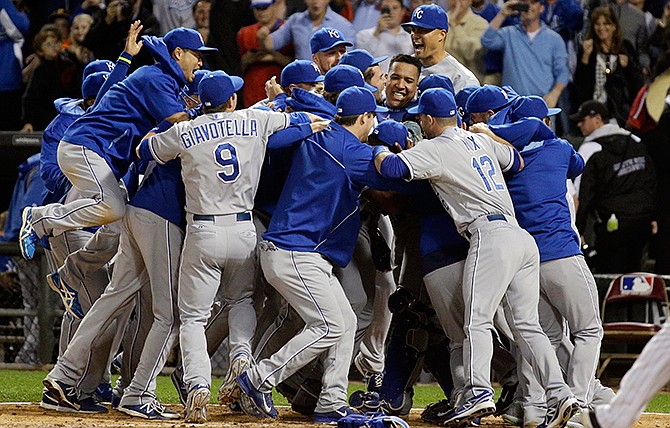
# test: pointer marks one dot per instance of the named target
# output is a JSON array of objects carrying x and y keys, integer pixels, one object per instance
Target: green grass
[{"x": 22, "y": 386}]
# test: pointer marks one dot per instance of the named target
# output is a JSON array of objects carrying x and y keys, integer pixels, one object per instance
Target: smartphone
[
  {"x": 385, "y": 11},
  {"x": 520, "y": 7}
]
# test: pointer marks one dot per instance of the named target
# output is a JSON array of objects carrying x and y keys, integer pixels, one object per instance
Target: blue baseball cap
[
  {"x": 327, "y": 38},
  {"x": 437, "y": 102},
  {"x": 261, "y": 3},
  {"x": 217, "y": 87},
  {"x": 390, "y": 132},
  {"x": 531, "y": 106},
  {"x": 186, "y": 38},
  {"x": 436, "y": 81},
  {"x": 361, "y": 59},
  {"x": 341, "y": 77},
  {"x": 300, "y": 71},
  {"x": 92, "y": 84},
  {"x": 98, "y": 65},
  {"x": 461, "y": 101},
  {"x": 357, "y": 100},
  {"x": 429, "y": 16},
  {"x": 488, "y": 97},
  {"x": 192, "y": 88}
]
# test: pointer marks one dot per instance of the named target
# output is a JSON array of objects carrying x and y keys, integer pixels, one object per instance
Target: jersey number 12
[
  {"x": 488, "y": 177},
  {"x": 226, "y": 156}
]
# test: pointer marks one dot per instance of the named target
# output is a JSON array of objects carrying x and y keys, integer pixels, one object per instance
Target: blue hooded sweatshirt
[{"x": 130, "y": 109}]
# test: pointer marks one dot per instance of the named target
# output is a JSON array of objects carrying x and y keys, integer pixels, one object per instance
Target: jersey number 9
[{"x": 226, "y": 156}]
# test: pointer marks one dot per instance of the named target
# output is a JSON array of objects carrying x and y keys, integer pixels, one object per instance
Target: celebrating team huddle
[{"x": 349, "y": 218}]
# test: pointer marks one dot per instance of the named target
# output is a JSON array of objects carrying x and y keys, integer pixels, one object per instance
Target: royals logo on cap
[{"x": 428, "y": 16}]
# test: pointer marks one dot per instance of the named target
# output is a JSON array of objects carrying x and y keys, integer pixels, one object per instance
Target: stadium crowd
[{"x": 386, "y": 276}]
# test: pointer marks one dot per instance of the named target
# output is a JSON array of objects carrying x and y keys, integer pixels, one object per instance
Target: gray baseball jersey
[
  {"x": 468, "y": 182},
  {"x": 457, "y": 72},
  {"x": 222, "y": 155}
]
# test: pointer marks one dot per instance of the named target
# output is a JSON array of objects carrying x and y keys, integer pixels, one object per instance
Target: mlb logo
[{"x": 636, "y": 285}]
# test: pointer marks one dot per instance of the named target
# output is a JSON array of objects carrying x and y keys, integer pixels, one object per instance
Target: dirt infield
[{"x": 31, "y": 415}]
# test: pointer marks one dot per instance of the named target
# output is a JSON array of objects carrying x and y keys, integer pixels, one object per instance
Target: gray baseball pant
[
  {"x": 146, "y": 239},
  {"x": 89, "y": 290},
  {"x": 307, "y": 283},
  {"x": 217, "y": 252},
  {"x": 102, "y": 200},
  {"x": 492, "y": 276}
]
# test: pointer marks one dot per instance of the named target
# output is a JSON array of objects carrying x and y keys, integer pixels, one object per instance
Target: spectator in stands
[
  {"x": 61, "y": 20},
  {"x": 259, "y": 65},
  {"x": 300, "y": 27},
  {"x": 91, "y": 7},
  {"x": 633, "y": 27},
  {"x": 107, "y": 36},
  {"x": 564, "y": 17},
  {"x": 539, "y": 67},
  {"x": 618, "y": 187},
  {"x": 201, "y": 11},
  {"x": 75, "y": 51},
  {"x": 54, "y": 78},
  {"x": 465, "y": 34},
  {"x": 607, "y": 68},
  {"x": 172, "y": 14},
  {"x": 387, "y": 38},
  {"x": 367, "y": 14},
  {"x": 13, "y": 31},
  {"x": 225, "y": 21},
  {"x": 659, "y": 41},
  {"x": 492, "y": 59}
]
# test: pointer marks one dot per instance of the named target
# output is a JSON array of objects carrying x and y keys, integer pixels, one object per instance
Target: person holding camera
[
  {"x": 535, "y": 59},
  {"x": 387, "y": 38}
]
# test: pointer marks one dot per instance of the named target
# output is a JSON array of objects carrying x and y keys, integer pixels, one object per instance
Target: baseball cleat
[
  {"x": 262, "y": 401},
  {"x": 66, "y": 394},
  {"x": 373, "y": 380},
  {"x": 152, "y": 410},
  {"x": 103, "y": 393},
  {"x": 437, "y": 413},
  {"x": 365, "y": 402},
  {"x": 27, "y": 237},
  {"x": 479, "y": 406},
  {"x": 560, "y": 413},
  {"x": 196, "y": 404},
  {"x": 230, "y": 390},
  {"x": 506, "y": 399},
  {"x": 589, "y": 419},
  {"x": 49, "y": 400},
  {"x": 179, "y": 385},
  {"x": 332, "y": 417},
  {"x": 67, "y": 294}
]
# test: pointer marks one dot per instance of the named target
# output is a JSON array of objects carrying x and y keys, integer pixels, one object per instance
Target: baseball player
[
  {"x": 479, "y": 202},
  {"x": 150, "y": 245},
  {"x": 96, "y": 149},
  {"x": 429, "y": 28},
  {"x": 539, "y": 196},
  {"x": 301, "y": 246},
  {"x": 79, "y": 257},
  {"x": 222, "y": 152},
  {"x": 649, "y": 373}
]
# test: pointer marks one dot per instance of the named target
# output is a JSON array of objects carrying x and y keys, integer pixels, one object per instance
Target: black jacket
[{"x": 620, "y": 180}]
